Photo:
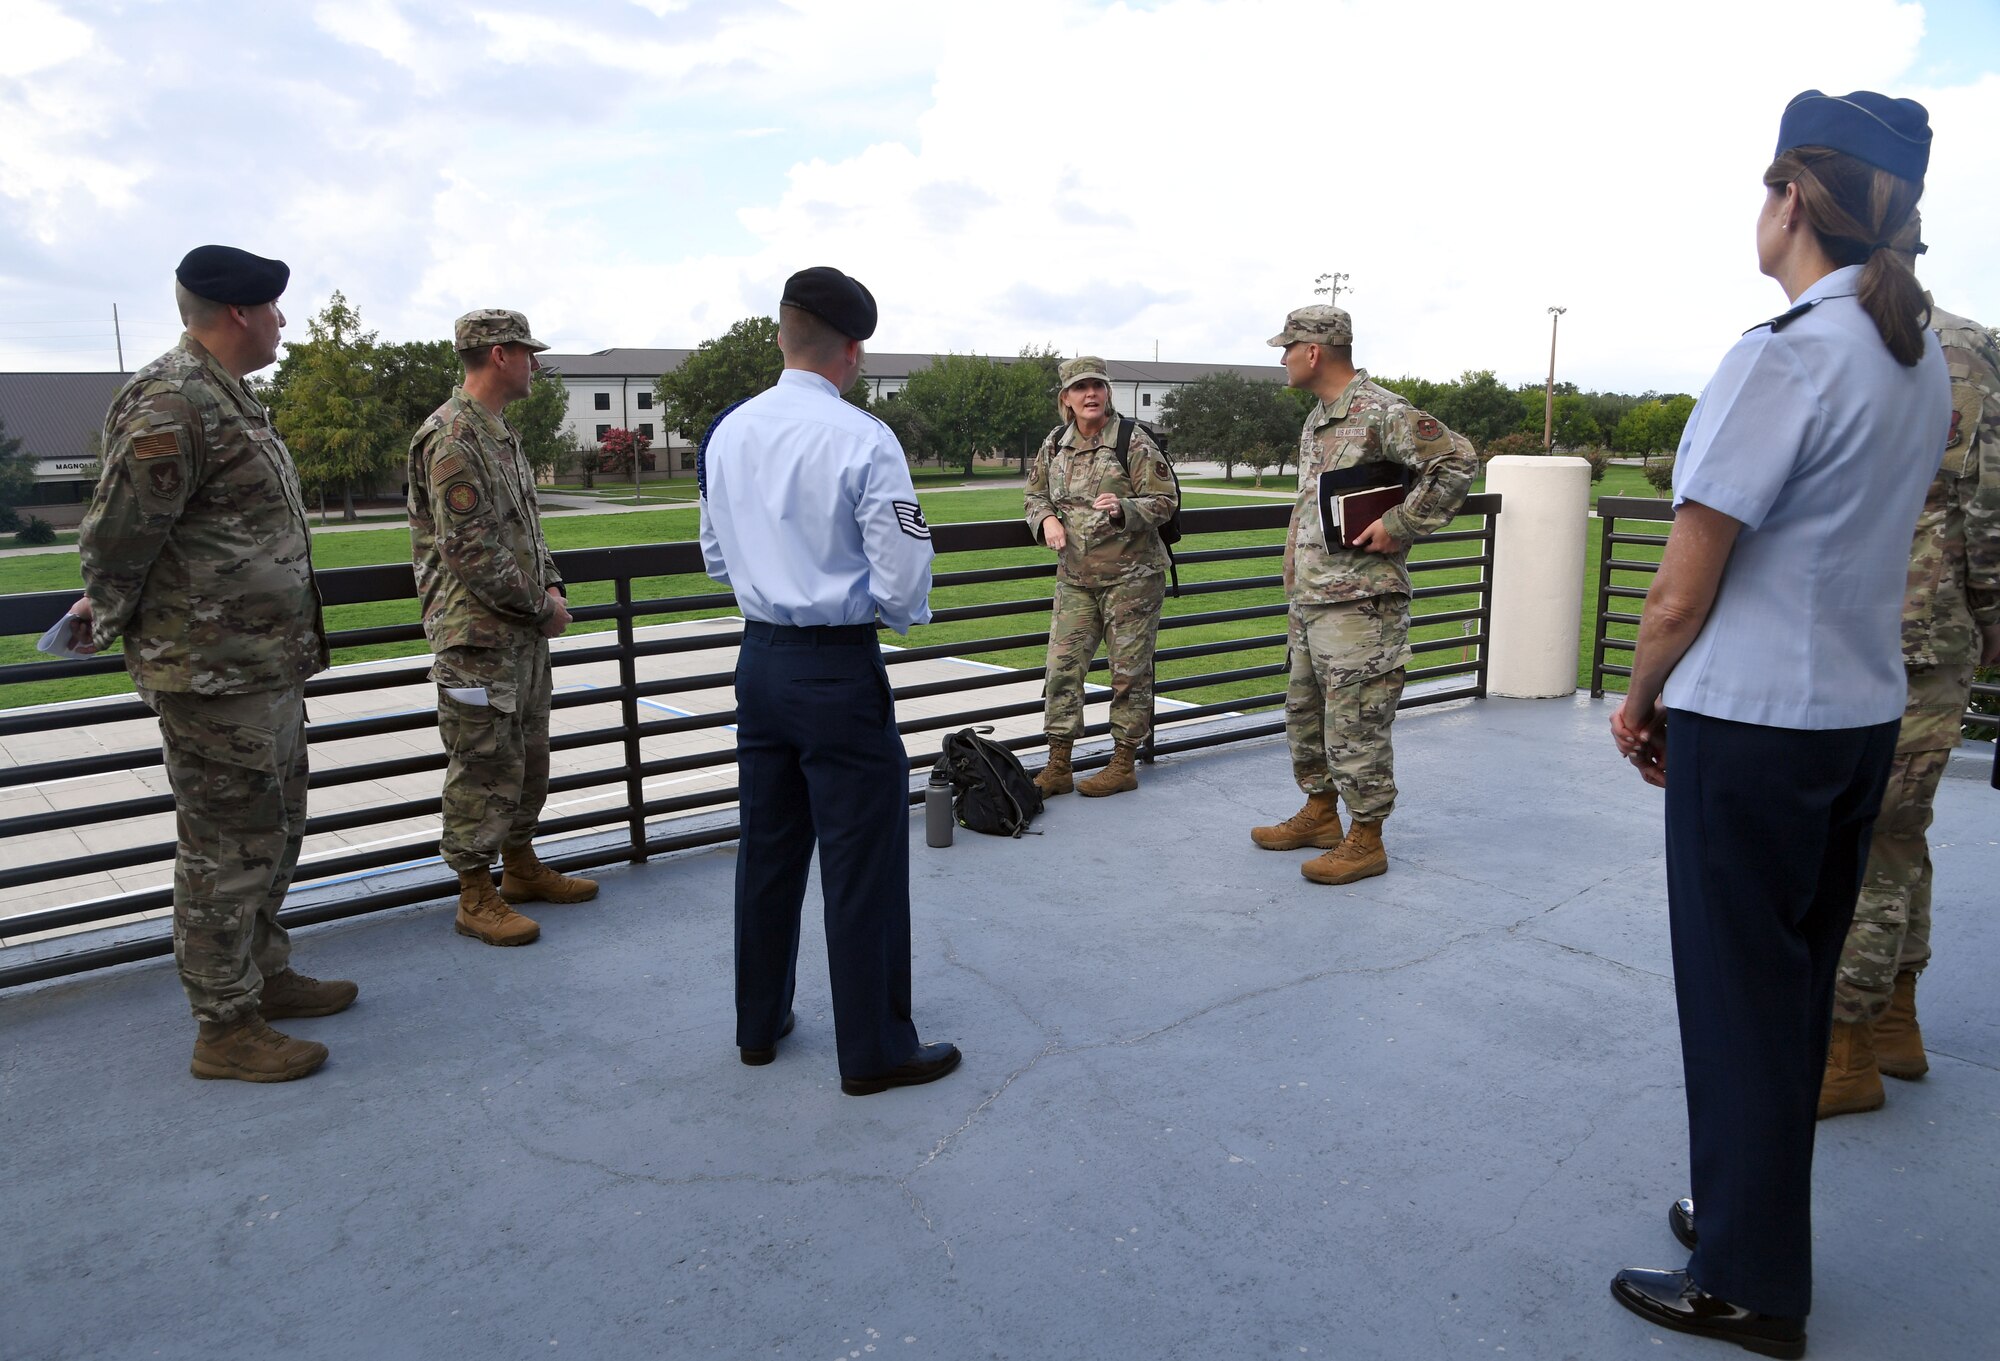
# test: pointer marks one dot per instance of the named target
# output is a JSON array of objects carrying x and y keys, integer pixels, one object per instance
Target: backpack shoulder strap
[{"x": 1124, "y": 446}]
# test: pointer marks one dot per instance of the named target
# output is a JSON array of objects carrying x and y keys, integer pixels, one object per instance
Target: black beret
[
  {"x": 1889, "y": 134},
  {"x": 226, "y": 274},
  {"x": 839, "y": 301}
]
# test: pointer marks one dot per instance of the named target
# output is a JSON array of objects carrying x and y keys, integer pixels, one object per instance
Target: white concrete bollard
[{"x": 1537, "y": 574}]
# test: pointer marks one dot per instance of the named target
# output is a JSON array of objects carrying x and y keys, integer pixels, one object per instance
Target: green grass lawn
[{"x": 58, "y": 571}]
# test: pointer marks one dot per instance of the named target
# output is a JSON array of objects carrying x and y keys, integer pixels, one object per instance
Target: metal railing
[
  {"x": 1611, "y": 539},
  {"x": 1448, "y": 615}
]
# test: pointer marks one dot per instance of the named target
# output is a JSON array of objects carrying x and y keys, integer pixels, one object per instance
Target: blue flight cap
[{"x": 1889, "y": 134}]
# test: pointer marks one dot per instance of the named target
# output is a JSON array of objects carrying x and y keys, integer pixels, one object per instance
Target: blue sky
[{"x": 1101, "y": 177}]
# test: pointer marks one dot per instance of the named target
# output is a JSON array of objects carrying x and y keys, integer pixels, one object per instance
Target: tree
[
  {"x": 1261, "y": 456},
  {"x": 1479, "y": 407},
  {"x": 739, "y": 363},
  {"x": 329, "y": 410},
  {"x": 1575, "y": 427},
  {"x": 415, "y": 378},
  {"x": 1038, "y": 370},
  {"x": 17, "y": 473},
  {"x": 1653, "y": 426},
  {"x": 1223, "y": 416},
  {"x": 966, "y": 405},
  {"x": 618, "y": 447},
  {"x": 542, "y": 417}
]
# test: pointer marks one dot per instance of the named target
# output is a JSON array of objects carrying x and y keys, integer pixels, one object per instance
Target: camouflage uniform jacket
[
  {"x": 1068, "y": 474},
  {"x": 483, "y": 568},
  {"x": 1371, "y": 423},
  {"x": 1954, "y": 586},
  {"x": 195, "y": 547}
]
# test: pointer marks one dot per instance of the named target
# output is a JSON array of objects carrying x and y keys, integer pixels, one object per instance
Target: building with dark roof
[
  {"x": 59, "y": 419},
  {"x": 613, "y": 389}
]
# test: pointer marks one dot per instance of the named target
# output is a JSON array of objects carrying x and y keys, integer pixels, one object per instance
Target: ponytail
[{"x": 1855, "y": 210}]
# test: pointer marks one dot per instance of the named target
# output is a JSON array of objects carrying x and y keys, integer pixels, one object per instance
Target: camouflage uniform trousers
[
  {"x": 1892, "y": 918},
  {"x": 237, "y": 766},
  {"x": 498, "y": 775},
  {"x": 1347, "y": 667},
  {"x": 1125, "y": 616}
]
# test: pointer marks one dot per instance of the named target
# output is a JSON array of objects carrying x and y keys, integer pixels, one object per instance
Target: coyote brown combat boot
[
  {"x": 1116, "y": 778},
  {"x": 1899, "y": 1043},
  {"x": 1316, "y": 824},
  {"x": 1055, "y": 777},
  {"x": 485, "y": 915},
  {"x": 1851, "y": 1083},
  {"x": 287, "y": 993},
  {"x": 249, "y": 1051},
  {"x": 525, "y": 879},
  {"x": 1358, "y": 856}
]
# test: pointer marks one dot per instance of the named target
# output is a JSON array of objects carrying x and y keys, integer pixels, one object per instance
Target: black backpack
[
  {"x": 990, "y": 791},
  {"x": 1169, "y": 532}
]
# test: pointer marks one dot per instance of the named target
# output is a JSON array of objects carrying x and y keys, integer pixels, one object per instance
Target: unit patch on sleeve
[
  {"x": 462, "y": 497},
  {"x": 1160, "y": 468},
  {"x": 910, "y": 519},
  {"x": 164, "y": 481},
  {"x": 1427, "y": 428},
  {"x": 159, "y": 444}
]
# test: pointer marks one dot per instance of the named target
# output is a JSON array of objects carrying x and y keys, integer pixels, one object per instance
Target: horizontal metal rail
[{"x": 1222, "y": 676}]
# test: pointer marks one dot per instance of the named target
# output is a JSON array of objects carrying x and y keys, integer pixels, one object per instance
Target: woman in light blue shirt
[{"x": 1768, "y": 679}]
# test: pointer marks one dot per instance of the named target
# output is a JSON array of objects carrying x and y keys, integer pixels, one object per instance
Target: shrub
[
  {"x": 1599, "y": 460},
  {"x": 10, "y": 519},
  {"x": 1518, "y": 442},
  {"x": 35, "y": 532},
  {"x": 1660, "y": 472}
]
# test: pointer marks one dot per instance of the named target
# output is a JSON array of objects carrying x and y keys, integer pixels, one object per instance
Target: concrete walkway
[{"x": 1208, "y": 1110}]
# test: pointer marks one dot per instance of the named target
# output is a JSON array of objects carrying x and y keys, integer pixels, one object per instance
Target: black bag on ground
[{"x": 991, "y": 793}]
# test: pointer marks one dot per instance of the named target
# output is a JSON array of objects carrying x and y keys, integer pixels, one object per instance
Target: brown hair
[
  {"x": 1856, "y": 210},
  {"x": 807, "y": 336}
]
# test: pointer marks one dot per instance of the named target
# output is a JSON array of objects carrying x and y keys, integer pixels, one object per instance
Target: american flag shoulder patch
[
  {"x": 160, "y": 444},
  {"x": 910, "y": 519}
]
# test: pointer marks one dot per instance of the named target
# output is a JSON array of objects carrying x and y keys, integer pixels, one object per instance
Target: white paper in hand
[
  {"x": 473, "y": 694},
  {"x": 56, "y": 641}
]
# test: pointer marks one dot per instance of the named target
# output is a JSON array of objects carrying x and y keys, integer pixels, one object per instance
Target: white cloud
[
  {"x": 40, "y": 36},
  {"x": 1091, "y": 175}
]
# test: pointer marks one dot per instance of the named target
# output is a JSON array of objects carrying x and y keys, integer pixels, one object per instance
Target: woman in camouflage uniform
[{"x": 1099, "y": 506}]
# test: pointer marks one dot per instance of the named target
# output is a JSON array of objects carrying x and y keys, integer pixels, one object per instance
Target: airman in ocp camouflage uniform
[
  {"x": 195, "y": 551},
  {"x": 1349, "y": 621},
  {"x": 1951, "y": 623},
  {"x": 1102, "y": 518},
  {"x": 492, "y": 598}
]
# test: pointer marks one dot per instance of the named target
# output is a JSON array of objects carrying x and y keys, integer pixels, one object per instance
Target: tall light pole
[
  {"x": 1549, "y": 397},
  {"x": 1330, "y": 284}
]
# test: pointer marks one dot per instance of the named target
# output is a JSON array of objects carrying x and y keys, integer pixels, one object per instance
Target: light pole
[
  {"x": 1549, "y": 397},
  {"x": 1329, "y": 284}
]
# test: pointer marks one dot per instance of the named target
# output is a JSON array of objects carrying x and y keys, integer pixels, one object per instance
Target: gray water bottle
[{"x": 938, "y": 820}]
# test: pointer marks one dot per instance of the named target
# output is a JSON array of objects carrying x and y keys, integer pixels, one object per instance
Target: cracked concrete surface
[{"x": 1207, "y": 1109}]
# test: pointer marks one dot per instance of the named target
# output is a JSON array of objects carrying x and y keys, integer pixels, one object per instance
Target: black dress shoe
[
  {"x": 928, "y": 1064},
  {"x": 1672, "y": 1300},
  {"x": 1680, "y": 1218},
  {"x": 757, "y": 1058}
]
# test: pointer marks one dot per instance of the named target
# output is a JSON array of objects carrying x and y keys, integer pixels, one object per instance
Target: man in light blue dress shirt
[{"x": 809, "y": 515}]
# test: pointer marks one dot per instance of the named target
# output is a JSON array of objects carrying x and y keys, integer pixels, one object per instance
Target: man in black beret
[
  {"x": 819, "y": 759},
  {"x": 195, "y": 551}
]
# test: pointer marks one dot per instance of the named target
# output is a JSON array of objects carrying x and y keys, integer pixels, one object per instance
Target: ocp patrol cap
[
  {"x": 492, "y": 326},
  {"x": 1318, "y": 324},
  {"x": 1081, "y": 369},
  {"x": 1889, "y": 134}
]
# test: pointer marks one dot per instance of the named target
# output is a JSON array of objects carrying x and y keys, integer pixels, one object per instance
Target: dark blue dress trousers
[
  {"x": 1767, "y": 836},
  {"x": 819, "y": 761}
]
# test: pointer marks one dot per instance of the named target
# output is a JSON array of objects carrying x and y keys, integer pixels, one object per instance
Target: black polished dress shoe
[
  {"x": 928, "y": 1064},
  {"x": 1680, "y": 1218},
  {"x": 1672, "y": 1300},
  {"x": 757, "y": 1058}
]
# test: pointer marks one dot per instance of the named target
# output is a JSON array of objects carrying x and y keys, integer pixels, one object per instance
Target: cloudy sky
[{"x": 1101, "y": 177}]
